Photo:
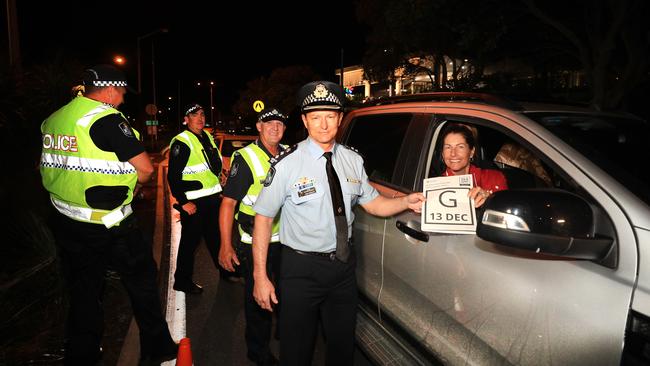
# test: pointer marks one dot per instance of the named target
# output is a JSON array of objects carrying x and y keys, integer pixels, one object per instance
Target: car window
[
  {"x": 379, "y": 139},
  {"x": 522, "y": 168},
  {"x": 229, "y": 146},
  {"x": 617, "y": 145}
]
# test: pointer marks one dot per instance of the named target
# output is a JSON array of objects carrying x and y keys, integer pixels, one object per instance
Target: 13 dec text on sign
[{"x": 447, "y": 208}]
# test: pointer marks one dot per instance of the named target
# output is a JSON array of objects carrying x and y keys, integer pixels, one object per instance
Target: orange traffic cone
[{"x": 184, "y": 353}]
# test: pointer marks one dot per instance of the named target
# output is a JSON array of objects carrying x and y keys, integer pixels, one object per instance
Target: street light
[
  {"x": 198, "y": 83},
  {"x": 153, "y": 69},
  {"x": 119, "y": 60},
  {"x": 212, "y": 105}
]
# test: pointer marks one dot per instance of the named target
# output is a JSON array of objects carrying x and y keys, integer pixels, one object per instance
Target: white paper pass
[{"x": 448, "y": 209}]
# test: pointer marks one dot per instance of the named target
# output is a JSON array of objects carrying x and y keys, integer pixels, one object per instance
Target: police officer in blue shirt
[{"x": 316, "y": 184}]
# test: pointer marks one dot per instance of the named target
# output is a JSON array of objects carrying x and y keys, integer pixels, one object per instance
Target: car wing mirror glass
[{"x": 545, "y": 221}]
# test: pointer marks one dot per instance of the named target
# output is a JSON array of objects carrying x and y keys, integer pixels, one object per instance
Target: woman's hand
[{"x": 479, "y": 195}]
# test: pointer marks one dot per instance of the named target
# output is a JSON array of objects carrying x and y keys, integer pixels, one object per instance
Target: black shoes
[
  {"x": 166, "y": 351},
  {"x": 191, "y": 288}
]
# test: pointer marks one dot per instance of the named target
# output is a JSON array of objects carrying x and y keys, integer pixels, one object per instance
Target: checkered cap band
[
  {"x": 101, "y": 83},
  {"x": 192, "y": 108},
  {"x": 312, "y": 99},
  {"x": 271, "y": 115}
]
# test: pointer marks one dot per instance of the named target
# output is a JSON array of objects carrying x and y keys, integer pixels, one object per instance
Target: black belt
[{"x": 330, "y": 255}]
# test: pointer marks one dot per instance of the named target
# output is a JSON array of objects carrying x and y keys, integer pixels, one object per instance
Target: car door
[
  {"x": 379, "y": 138},
  {"x": 470, "y": 301}
]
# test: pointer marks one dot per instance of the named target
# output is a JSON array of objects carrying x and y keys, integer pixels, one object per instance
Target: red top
[{"x": 490, "y": 180}]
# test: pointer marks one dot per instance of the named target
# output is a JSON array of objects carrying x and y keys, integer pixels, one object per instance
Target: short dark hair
[
  {"x": 90, "y": 89},
  {"x": 460, "y": 129}
]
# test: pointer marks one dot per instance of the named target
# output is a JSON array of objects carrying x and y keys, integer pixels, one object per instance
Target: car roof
[{"x": 486, "y": 99}]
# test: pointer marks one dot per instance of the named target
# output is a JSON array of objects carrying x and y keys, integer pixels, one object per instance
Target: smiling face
[
  {"x": 195, "y": 121},
  {"x": 271, "y": 132},
  {"x": 456, "y": 153},
  {"x": 322, "y": 126}
]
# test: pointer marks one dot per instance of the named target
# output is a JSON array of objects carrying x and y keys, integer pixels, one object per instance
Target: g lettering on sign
[{"x": 448, "y": 202}]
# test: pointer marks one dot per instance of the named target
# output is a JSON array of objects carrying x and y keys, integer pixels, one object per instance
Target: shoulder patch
[
  {"x": 234, "y": 169},
  {"x": 176, "y": 149},
  {"x": 269, "y": 177},
  {"x": 283, "y": 154},
  {"x": 126, "y": 129}
]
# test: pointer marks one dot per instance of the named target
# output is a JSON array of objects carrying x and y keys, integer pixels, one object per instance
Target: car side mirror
[{"x": 544, "y": 221}]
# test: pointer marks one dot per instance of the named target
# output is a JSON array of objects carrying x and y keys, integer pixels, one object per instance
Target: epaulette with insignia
[
  {"x": 283, "y": 154},
  {"x": 353, "y": 149}
]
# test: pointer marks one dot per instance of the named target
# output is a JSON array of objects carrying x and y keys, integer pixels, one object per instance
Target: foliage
[
  {"x": 277, "y": 90},
  {"x": 608, "y": 38},
  {"x": 401, "y": 30},
  {"x": 26, "y": 100}
]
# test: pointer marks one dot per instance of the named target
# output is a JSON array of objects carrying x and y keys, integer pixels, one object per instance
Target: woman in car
[{"x": 458, "y": 150}]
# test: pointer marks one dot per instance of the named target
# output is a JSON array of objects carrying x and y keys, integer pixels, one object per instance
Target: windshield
[
  {"x": 620, "y": 146},
  {"x": 229, "y": 146}
]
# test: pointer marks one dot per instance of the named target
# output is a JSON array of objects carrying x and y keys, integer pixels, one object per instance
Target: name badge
[
  {"x": 305, "y": 186},
  {"x": 306, "y": 189}
]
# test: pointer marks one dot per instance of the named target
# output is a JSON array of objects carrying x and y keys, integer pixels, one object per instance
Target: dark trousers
[
  {"x": 316, "y": 288},
  {"x": 86, "y": 250},
  {"x": 203, "y": 224},
  {"x": 259, "y": 321}
]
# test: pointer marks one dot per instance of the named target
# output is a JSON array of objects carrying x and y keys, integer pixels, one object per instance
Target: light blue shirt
[{"x": 300, "y": 188}]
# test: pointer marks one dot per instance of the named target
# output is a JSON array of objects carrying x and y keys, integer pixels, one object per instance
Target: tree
[
  {"x": 610, "y": 39},
  {"x": 440, "y": 30},
  {"x": 279, "y": 90}
]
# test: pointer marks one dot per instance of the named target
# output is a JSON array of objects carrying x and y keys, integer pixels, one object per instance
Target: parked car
[
  {"x": 228, "y": 144},
  {"x": 571, "y": 289}
]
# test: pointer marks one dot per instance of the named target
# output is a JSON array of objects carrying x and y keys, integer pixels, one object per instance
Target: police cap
[
  {"x": 271, "y": 114},
  {"x": 103, "y": 76},
  {"x": 320, "y": 95},
  {"x": 192, "y": 108}
]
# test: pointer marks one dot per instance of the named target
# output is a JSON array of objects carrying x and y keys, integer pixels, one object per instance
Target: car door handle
[{"x": 417, "y": 234}]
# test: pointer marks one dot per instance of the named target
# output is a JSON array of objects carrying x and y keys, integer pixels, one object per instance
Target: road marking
[{"x": 175, "y": 313}]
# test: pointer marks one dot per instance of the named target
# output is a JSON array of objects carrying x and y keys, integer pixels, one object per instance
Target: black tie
[{"x": 342, "y": 249}]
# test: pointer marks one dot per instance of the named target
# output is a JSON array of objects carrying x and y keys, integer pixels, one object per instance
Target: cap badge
[{"x": 320, "y": 91}]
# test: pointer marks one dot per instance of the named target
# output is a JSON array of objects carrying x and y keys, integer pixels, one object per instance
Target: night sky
[{"x": 207, "y": 40}]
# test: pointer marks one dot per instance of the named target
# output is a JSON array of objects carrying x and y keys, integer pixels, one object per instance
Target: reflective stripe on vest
[
  {"x": 258, "y": 163},
  {"x": 253, "y": 155},
  {"x": 88, "y": 117},
  {"x": 248, "y": 239},
  {"x": 71, "y": 163},
  {"x": 198, "y": 168},
  {"x": 79, "y": 164},
  {"x": 192, "y": 195},
  {"x": 95, "y": 216}
]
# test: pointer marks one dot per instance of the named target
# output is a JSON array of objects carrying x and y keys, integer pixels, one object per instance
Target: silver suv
[{"x": 572, "y": 289}]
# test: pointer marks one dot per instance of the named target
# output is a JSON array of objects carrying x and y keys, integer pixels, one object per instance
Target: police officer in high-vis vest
[
  {"x": 316, "y": 184},
  {"x": 194, "y": 169},
  {"x": 248, "y": 170},
  {"x": 90, "y": 163}
]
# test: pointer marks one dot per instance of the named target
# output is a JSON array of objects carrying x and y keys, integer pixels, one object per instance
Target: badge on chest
[{"x": 305, "y": 186}]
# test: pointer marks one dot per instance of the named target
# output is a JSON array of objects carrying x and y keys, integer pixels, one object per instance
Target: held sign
[{"x": 447, "y": 208}]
